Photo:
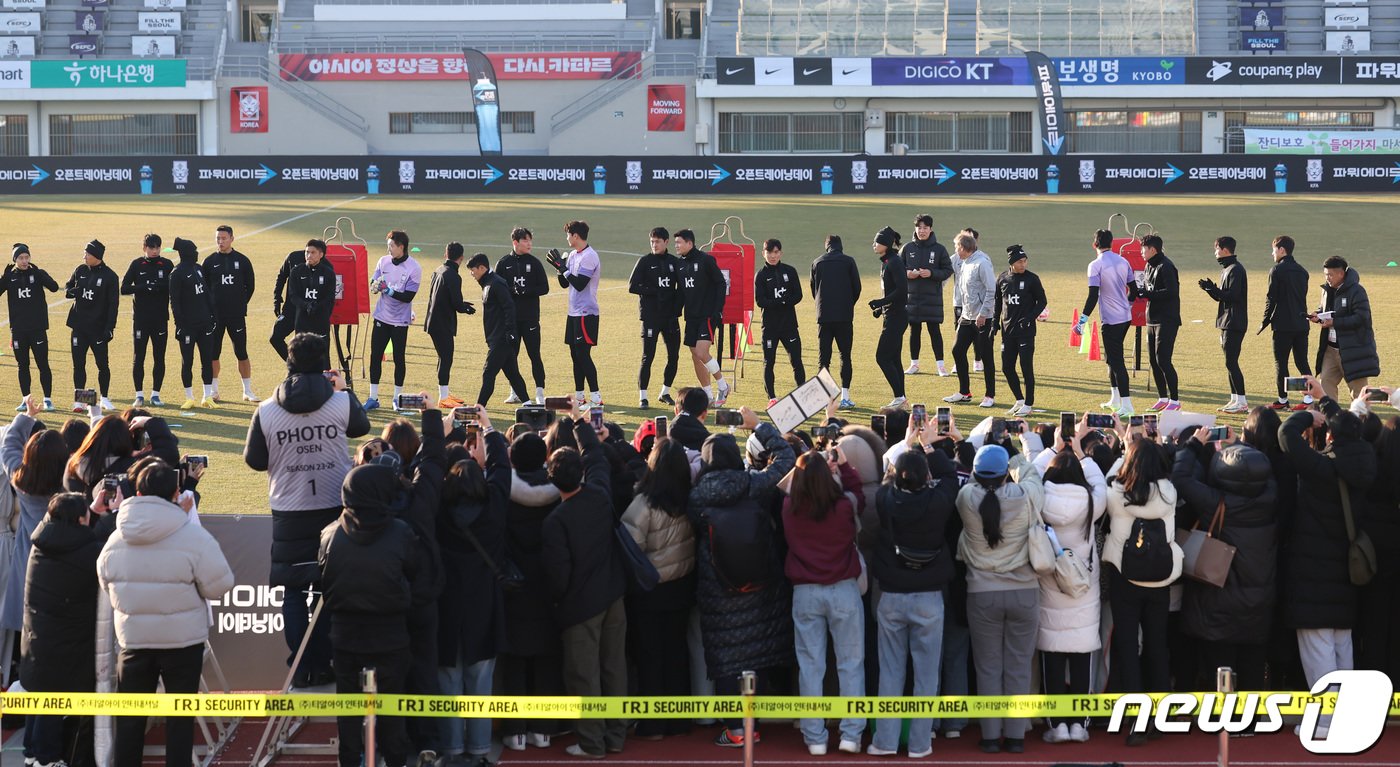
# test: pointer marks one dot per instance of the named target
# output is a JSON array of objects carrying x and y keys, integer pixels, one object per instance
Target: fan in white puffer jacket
[{"x": 1071, "y": 624}]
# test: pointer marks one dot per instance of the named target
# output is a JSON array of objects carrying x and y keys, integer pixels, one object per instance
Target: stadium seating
[
  {"x": 203, "y": 25},
  {"x": 842, "y": 27}
]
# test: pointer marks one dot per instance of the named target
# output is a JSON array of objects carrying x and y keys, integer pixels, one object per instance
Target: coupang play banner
[
  {"x": 689, "y": 175},
  {"x": 329, "y": 67}
]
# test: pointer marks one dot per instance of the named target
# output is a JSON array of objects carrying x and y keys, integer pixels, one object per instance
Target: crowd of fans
[{"x": 458, "y": 558}]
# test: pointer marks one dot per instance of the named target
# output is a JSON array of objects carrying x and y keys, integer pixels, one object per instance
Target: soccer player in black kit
[
  {"x": 528, "y": 282},
  {"x": 498, "y": 322},
  {"x": 656, "y": 283},
  {"x": 24, "y": 285},
  {"x": 311, "y": 292},
  {"x": 777, "y": 289},
  {"x": 1019, "y": 301},
  {"x": 96, "y": 294},
  {"x": 444, "y": 304},
  {"x": 282, "y": 309},
  {"x": 889, "y": 351},
  {"x": 231, "y": 274},
  {"x": 147, "y": 281},
  {"x": 192, "y": 303},
  {"x": 703, "y": 291}
]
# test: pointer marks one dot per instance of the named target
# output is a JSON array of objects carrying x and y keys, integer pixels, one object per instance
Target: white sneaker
[
  {"x": 1012, "y": 410},
  {"x": 875, "y": 750},
  {"x": 958, "y": 398},
  {"x": 537, "y": 739},
  {"x": 1077, "y": 733},
  {"x": 921, "y": 754},
  {"x": 849, "y": 746},
  {"x": 897, "y": 402},
  {"x": 107, "y": 404},
  {"x": 942, "y": 371},
  {"x": 514, "y": 742},
  {"x": 988, "y": 402},
  {"x": 722, "y": 395},
  {"x": 512, "y": 399},
  {"x": 1057, "y": 734},
  {"x": 1023, "y": 410},
  {"x": 977, "y": 367},
  {"x": 913, "y": 369},
  {"x": 816, "y": 749}
]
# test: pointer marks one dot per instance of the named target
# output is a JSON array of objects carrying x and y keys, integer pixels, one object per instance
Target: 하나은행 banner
[
  {"x": 698, "y": 175},
  {"x": 665, "y": 107},
  {"x": 327, "y": 67}
]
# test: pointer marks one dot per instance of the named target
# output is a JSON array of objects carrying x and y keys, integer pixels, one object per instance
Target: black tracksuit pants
[
  {"x": 672, "y": 338},
  {"x": 205, "y": 343},
  {"x": 1231, "y": 342},
  {"x": 500, "y": 358},
  {"x": 445, "y": 345},
  {"x": 980, "y": 340},
  {"x": 889, "y": 353},
  {"x": 529, "y": 337},
  {"x": 82, "y": 343},
  {"x": 1285, "y": 343},
  {"x": 1161, "y": 343},
  {"x": 25, "y": 342},
  {"x": 1113, "y": 337},
  {"x": 1019, "y": 351},
  {"x": 840, "y": 332},
  {"x": 792, "y": 343},
  {"x": 155, "y": 336},
  {"x": 935, "y": 338},
  {"x": 379, "y": 339}
]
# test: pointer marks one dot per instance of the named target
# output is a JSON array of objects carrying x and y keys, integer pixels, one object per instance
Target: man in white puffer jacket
[{"x": 159, "y": 570}]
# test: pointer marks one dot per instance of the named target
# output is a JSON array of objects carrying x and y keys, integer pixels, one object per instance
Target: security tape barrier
[{"x": 640, "y": 707}]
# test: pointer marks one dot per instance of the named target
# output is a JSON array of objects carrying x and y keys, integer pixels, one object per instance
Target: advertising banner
[
  {"x": 1372, "y": 69},
  {"x": 1270, "y": 17},
  {"x": 1258, "y": 141},
  {"x": 1359, "y": 16},
  {"x": 90, "y": 22},
  {"x": 16, "y": 46},
  {"x": 165, "y": 3},
  {"x": 248, "y": 109},
  {"x": 247, "y": 632},
  {"x": 36, "y": 5},
  {"x": 1349, "y": 42},
  {"x": 158, "y": 22},
  {"x": 14, "y": 74},
  {"x": 20, "y": 23},
  {"x": 1264, "y": 41},
  {"x": 665, "y": 107},
  {"x": 1132, "y": 70},
  {"x": 951, "y": 71},
  {"x": 84, "y": 45},
  {"x": 1264, "y": 70},
  {"x": 1342, "y": 171},
  {"x": 95, "y": 3},
  {"x": 451, "y": 66},
  {"x": 115, "y": 73},
  {"x": 152, "y": 45},
  {"x": 486, "y": 101},
  {"x": 1049, "y": 103}
]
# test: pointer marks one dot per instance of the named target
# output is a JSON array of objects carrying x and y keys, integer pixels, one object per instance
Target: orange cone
[
  {"x": 1074, "y": 335},
  {"x": 1094, "y": 355}
]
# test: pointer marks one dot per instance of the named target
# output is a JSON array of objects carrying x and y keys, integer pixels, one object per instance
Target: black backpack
[
  {"x": 741, "y": 545},
  {"x": 1147, "y": 554}
]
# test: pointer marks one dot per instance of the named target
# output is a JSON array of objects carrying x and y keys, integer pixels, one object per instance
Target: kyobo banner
[
  {"x": 1258, "y": 141},
  {"x": 108, "y": 74}
]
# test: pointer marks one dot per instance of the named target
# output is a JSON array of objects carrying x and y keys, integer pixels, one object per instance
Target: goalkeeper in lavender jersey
[{"x": 396, "y": 279}]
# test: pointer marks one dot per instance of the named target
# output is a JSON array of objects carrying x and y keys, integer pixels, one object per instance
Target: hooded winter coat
[
  {"x": 741, "y": 630},
  {"x": 370, "y": 566},
  {"x": 1161, "y": 504},
  {"x": 925, "y": 295},
  {"x": 580, "y": 552},
  {"x": 191, "y": 296},
  {"x": 60, "y": 609},
  {"x": 159, "y": 569},
  {"x": 472, "y": 610},
  {"x": 31, "y": 510},
  {"x": 1071, "y": 624},
  {"x": 1318, "y": 592},
  {"x": 530, "y": 626},
  {"x": 1242, "y": 610},
  {"x": 917, "y": 520},
  {"x": 1351, "y": 318}
]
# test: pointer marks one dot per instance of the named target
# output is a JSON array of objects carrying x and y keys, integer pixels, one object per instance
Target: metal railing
[{"x": 649, "y": 65}]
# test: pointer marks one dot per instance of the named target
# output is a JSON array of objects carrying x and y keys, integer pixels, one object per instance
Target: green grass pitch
[{"x": 1055, "y": 231}]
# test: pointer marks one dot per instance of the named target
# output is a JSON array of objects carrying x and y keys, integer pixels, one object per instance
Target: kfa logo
[{"x": 226, "y": 279}]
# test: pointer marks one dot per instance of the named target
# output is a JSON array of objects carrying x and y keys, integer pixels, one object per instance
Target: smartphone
[
  {"x": 1295, "y": 383},
  {"x": 473, "y": 431},
  {"x": 1068, "y": 426},
  {"x": 536, "y": 418},
  {"x": 729, "y": 418},
  {"x": 197, "y": 460},
  {"x": 1016, "y": 426},
  {"x": 595, "y": 417},
  {"x": 559, "y": 403},
  {"x": 411, "y": 402},
  {"x": 329, "y": 374},
  {"x": 1218, "y": 433},
  {"x": 85, "y": 397},
  {"x": 1134, "y": 420},
  {"x": 662, "y": 424},
  {"x": 110, "y": 485},
  {"x": 1149, "y": 425},
  {"x": 944, "y": 420},
  {"x": 918, "y": 415},
  {"x": 998, "y": 432},
  {"x": 829, "y": 432},
  {"x": 877, "y": 425},
  {"x": 465, "y": 413},
  {"x": 1376, "y": 395},
  {"x": 1100, "y": 421}
]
